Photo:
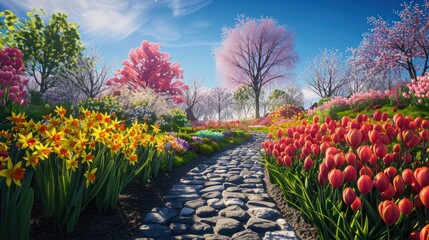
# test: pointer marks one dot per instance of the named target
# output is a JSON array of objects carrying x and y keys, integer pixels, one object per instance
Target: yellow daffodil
[
  {"x": 87, "y": 157},
  {"x": 60, "y": 110},
  {"x": 43, "y": 151},
  {"x": 133, "y": 159},
  {"x": 13, "y": 173},
  {"x": 72, "y": 163},
  {"x": 17, "y": 118},
  {"x": 156, "y": 129},
  {"x": 90, "y": 176},
  {"x": 31, "y": 158},
  {"x": 27, "y": 141},
  {"x": 54, "y": 136},
  {"x": 145, "y": 127}
]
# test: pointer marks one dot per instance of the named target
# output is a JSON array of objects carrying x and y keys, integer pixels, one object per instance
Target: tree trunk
[{"x": 257, "y": 93}]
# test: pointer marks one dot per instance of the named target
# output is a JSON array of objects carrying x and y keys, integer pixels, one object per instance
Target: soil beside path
[{"x": 136, "y": 201}]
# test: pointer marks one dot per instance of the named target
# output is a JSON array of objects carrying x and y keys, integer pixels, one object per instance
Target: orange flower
[
  {"x": 27, "y": 141},
  {"x": 13, "y": 173},
  {"x": 60, "y": 110},
  {"x": 90, "y": 176}
]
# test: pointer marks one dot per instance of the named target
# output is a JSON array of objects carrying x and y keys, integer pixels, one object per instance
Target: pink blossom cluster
[
  {"x": 371, "y": 95},
  {"x": 418, "y": 89},
  {"x": 12, "y": 83}
]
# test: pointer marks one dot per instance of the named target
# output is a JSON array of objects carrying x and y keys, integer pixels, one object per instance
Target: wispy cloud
[
  {"x": 118, "y": 19},
  {"x": 197, "y": 43}
]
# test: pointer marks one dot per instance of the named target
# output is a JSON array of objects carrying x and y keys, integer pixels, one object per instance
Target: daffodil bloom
[
  {"x": 13, "y": 173},
  {"x": 72, "y": 163},
  {"x": 133, "y": 159},
  {"x": 4, "y": 147},
  {"x": 160, "y": 146},
  {"x": 60, "y": 110},
  {"x": 54, "y": 136},
  {"x": 90, "y": 176},
  {"x": 87, "y": 157},
  {"x": 156, "y": 129},
  {"x": 43, "y": 151},
  {"x": 27, "y": 141},
  {"x": 17, "y": 119},
  {"x": 31, "y": 158}
]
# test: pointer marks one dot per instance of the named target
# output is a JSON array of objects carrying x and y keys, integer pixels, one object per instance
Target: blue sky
[{"x": 189, "y": 29}]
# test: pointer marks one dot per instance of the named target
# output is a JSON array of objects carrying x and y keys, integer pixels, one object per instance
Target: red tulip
[
  {"x": 399, "y": 185},
  {"x": 279, "y": 133},
  {"x": 408, "y": 176},
  {"x": 424, "y": 196},
  {"x": 287, "y": 161},
  {"x": 350, "y": 158},
  {"x": 321, "y": 178},
  {"x": 389, "y": 212},
  {"x": 340, "y": 159},
  {"x": 390, "y": 172},
  {"x": 405, "y": 205},
  {"x": 364, "y": 184},
  {"x": 389, "y": 193},
  {"x": 356, "y": 204},
  {"x": 424, "y": 134},
  {"x": 270, "y": 136},
  {"x": 422, "y": 176},
  {"x": 377, "y": 115},
  {"x": 365, "y": 170},
  {"x": 349, "y": 173},
  {"x": 384, "y": 117},
  {"x": 335, "y": 178},
  {"x": 349, "y": 196},
  {"x": 381, "y": 181},
  {"x": 324, "y": 146},
  {"x": 276, "y": 153},
  {"x": 388, "y": 159},
  {"x": 380, "y": 150},
  {"x": 364, "y": 153},
  {"x": 374, "y": 136},
  {"x": 425, "y": 124},
  {"x": 354, "y": 138},
  {"x": 308, "y": 163},
  {"x": 330, "y": 161},
  {"x": 315, "y": 149},
  {"x": 397, "y": 148},
  {"x": 424, "y": 233}
]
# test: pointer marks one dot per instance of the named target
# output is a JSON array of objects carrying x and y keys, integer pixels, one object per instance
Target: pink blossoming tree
[
  {"x": 255, "y": 53},
  {"x": 403, "y": 43},
  {"x": 13, "y": 86},
  {"x": 147, "y": 67}
]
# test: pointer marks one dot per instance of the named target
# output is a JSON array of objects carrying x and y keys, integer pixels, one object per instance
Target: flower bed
[{"x": 363, "y": 178}]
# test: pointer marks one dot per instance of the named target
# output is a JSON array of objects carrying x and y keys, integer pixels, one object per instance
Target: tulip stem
[{"x": 388, "y": 233}]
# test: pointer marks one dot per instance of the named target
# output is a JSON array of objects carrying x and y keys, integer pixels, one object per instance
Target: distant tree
[
  {"x": 243, "y": 98},
  {"x": 255, "y": 53},
  {"x": 194, "y": 95},
  {"x": 326, "y": 73},
  {"x": 86, "y": 75},
  {"x": 220, "y": 100},
  {"x": 147, "y": 67},
  {"x": 403, "y": 43},
  {"x": 45, "y": 45},
  {"x": 291, "y": 95}
]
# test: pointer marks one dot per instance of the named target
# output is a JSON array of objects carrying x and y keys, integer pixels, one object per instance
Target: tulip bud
[
  {"x": 349, "y": 196},
  {"x": 364, "y": 184},
  {"x": 349, "y": 173},
  {"x": 406, "y": 206},
  {"x": 424, "y": 196},
  {"x": 389, "y": 212},
  {"x": 356, "y": 204},
  {"x": 381, "y": 181},
  {"x": 335, "y": 178}
]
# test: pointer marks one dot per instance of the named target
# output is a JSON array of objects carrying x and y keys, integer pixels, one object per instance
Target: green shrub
[
  {"x": 206, "y": 149},
  {"x": 184, "y": 136},
  {"x": 188, "y": 156}
]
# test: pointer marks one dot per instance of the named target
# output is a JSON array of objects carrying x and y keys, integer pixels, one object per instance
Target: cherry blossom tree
[
  {"x": 147, "y": 67},
  {"x": 326, "y": 73},
  {"x": 403, "y": 43},
  {"x": 255, "y": 53}
]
